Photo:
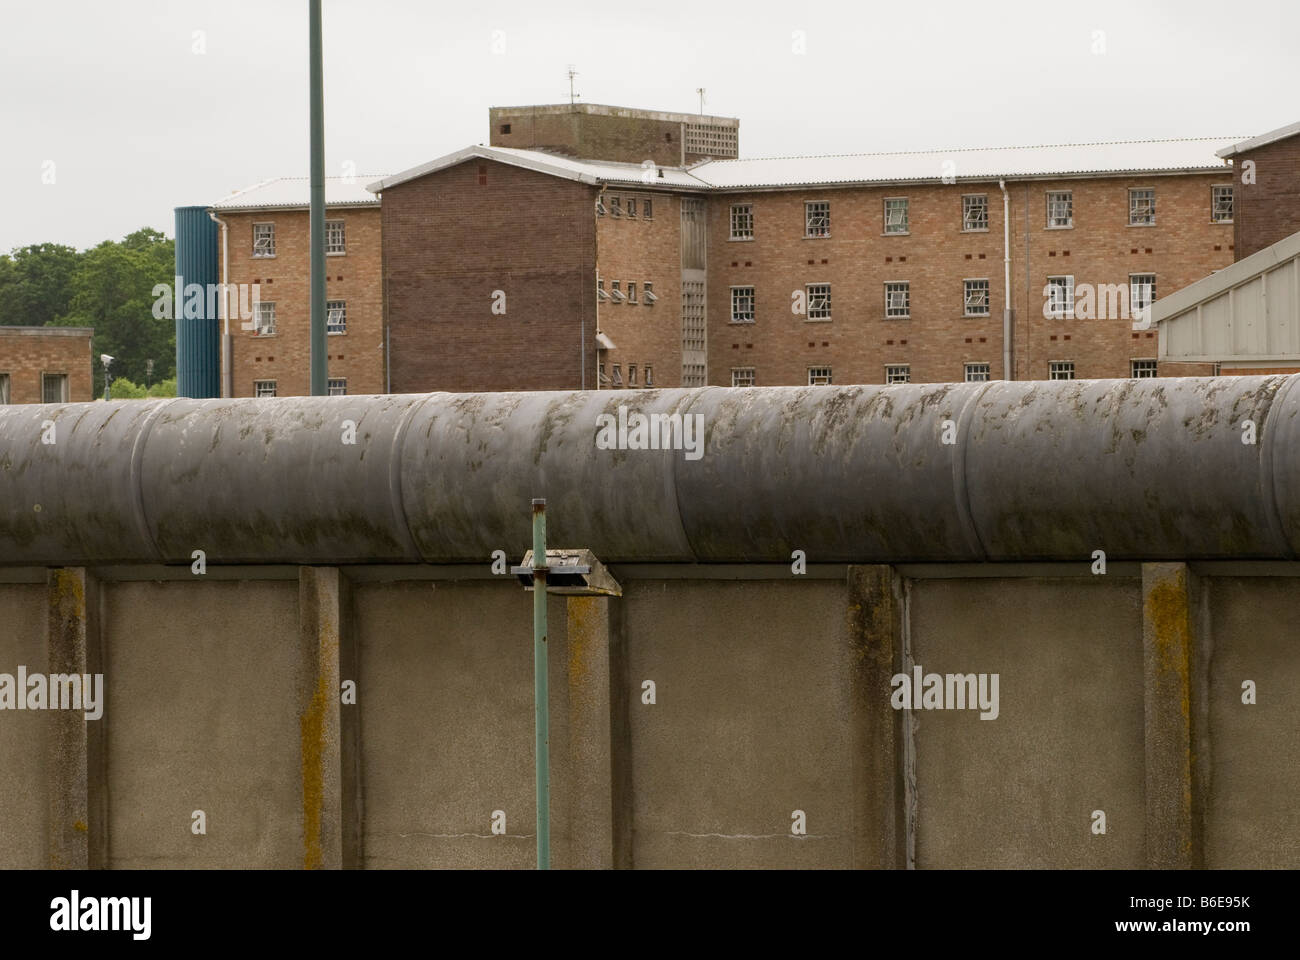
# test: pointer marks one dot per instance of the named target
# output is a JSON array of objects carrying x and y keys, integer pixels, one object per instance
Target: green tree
[
  {"x": 123, "y": 389},
  {"x": 36, "y": 283}
]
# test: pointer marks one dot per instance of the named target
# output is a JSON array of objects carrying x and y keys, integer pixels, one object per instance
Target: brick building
[
  {"x": 1266, "y": 174},
  {"x": 266, "y": 241},
  {"x": 859, "y": 269},
  {"x": 46, "y": 365}
]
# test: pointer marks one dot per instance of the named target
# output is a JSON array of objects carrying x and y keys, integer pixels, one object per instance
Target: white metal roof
[
  {"x": 1281, "y": 133},
  {"x": 1061, "y": 160},
  {"x": 289, "y": 192}
]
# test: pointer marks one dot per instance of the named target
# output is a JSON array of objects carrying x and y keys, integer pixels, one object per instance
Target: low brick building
[
  {"x": 268, "y": 245},
  {"x": 46, "y": 364}
]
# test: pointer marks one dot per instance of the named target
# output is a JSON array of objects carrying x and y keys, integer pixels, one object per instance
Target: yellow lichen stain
[
  {"x": 584, "y": 615},
  {"x": 1168, "y": 613},
  {"x": 312, "y": 725},
  {"x": 80, "y": 826},
  {"x": 69, "y": 592}
]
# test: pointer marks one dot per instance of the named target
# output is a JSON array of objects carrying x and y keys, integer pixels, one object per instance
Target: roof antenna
[
  {"x": 572, "y": 96},
  {"x": 700, "y": 91}
]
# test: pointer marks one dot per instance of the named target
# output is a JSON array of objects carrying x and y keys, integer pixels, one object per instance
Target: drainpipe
[
  {"x": 227, "y": 350},
  {"x": 541, "y": 690},
  {"x": 1007, "y": 371}
]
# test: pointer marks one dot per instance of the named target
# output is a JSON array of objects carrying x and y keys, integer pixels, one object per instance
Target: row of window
[
  {"x": 338, "y": 387},
  {"x": 264, "y": 239},
  {"x": 615, "y": 377},
  {"x": 631, "y": 207},
  {"x": 975, "y": 298},
  {"x": 975, "y": 212},
  {"x": 973, "y": 372},
  {"x": 54, "y": 388},
  {"x": 336, "y": 317},
  {"x": 617, "y": 294}
]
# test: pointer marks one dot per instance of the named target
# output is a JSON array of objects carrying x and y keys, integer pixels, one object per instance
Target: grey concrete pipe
[{"x": 1143, "y": 469}]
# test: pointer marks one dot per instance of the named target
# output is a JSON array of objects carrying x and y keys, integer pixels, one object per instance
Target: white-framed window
[
  {"x": 1221, "y": 203},
  {"x": 649, "y": 375},
  {"x": 601, "y": 295},
  {"x": 817, "y": 218},
  {"x": 819, "y": 376},
  {"x": 976, "y": 297},
  {"x": 742, "y": 221},
  {"x": 975, "y": 211},
  {"x": 819, "y": 301},
  {"x": 898, "y": 299},
  {"x": 336, "y": 316},
  {"x": 616, "y": 291},
  {"x": 618, "y": 374},
  {"x": 631, "y": 291},
  {"x": 335, "y": 241},
  {"x": 977, "y": 372},
  {"x": 338, "y": 386},
  {"x": 631, "y": 206},
  {"x": 648, "y": 293},
  {"x": 898, "y": 373},
  {"x": 1060, "y": 209},
  {"x": 264, "y": 388},
  {"x": 1060, "y": 370},
  {"x": 647, "y": 209},
  {"x": 615, "y": 207},
  {"x": 693, "y": 375},
  {"x": 896, "y": 215},
  {"x": 742, "y": 304},
  {"x": 742, "y": 376},
  {"x": 1060, "y": 296},
  {"x": 265, "y": 316},
  {"x": 1141, "y": 293},
  {"x": 264, "y": 239},
  {"x": 4, "y": 389},
  {"x": 1142, "y": 369},
  {"x": 1141, "y": 207},
  {"x": 54, "y": 388}
]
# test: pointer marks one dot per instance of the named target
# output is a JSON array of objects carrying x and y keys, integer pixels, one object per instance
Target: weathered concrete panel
[
  {"x": 1019, "y": 791},
  {"x": 752, "y": 721},
  {"x": 202, "y": 713},
  {"x": 24, "y": 734},
  {"x": 1252, "y": 816}
]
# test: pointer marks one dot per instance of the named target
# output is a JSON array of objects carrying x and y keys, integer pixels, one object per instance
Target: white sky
[{"x": 136, "y": 123}]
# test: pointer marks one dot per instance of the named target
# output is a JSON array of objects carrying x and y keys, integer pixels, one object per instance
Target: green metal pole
[
  {"x": 319, "y": 364},
  {"x": 541, "y": 690}
]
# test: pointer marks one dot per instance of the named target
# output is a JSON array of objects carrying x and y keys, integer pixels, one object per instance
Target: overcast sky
[{"x": 114, "y": 102}]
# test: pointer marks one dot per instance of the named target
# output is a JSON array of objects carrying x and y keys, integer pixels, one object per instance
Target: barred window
[
  {"x": 1142, "y": 292},
  {"x": 742, "y": 304},
  {"x": 1142, "y": 369},
  {"x": 976, "y": 298},
  {"x": 1060, "y": 208},
  {"x": 336, "y": 316},
  {"x": 338, "y": 386},
  {"x": 1060, "y": 296},
  {"x": 335, "y": 243},
  {"x": 1221, "y": 204},
  {"x": 975, "y": 212},
  {"x": 1060, "y": 370},
  {"x": 264, "y": 388},
  {"x": 898, "y": 373},
  {"x": 265, "y": 318},
  {"x": 977, "y": 372},
  {"x": 264, "y": 239},
  {"x": 819, "y": 301},
  {"x": 896, "y": 215},
  {"x": 1141, "y": 207},
  {"x": 819, "y": 376},
  {"x": 742, "y": 221},
  {"x": 742, "y": 376},
  {"x": 898, "y": 300},
  {"x": 817, "y": 218}
]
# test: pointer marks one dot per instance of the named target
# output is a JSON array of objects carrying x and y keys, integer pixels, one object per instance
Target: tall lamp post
[
  {"x": 107, "y": 361},
  {"x": 319, "y": 363}
]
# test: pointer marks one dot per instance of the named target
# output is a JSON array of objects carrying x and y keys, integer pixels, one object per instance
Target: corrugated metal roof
[
  {"x": 1082, "y": 159},
  {"x": 1273, "y": 136},
  {"x": 289, "y": 192}
]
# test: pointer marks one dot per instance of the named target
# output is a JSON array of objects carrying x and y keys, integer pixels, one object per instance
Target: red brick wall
[
  {"x": 354, "y": 277},
  {"x": 450, "y": 240},
  {"x": 28, "y": 352},
  {"x": 1269, "y": 209},
  {"x": 593, "y": 136}
]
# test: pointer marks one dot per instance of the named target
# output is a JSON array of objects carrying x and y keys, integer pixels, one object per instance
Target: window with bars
[
  {"x": 975, "y": 211},
  {"x": 266, "y": 318},
  {"x": 898, "y": 299},
  {"x": 742, "y": 376},
  {"x": 1142, "y": 369},
  {"x": 976, "y": 298},
  {"x": 264, "y": 239},
  {"x": 1141, "y": 207},
  {"x": 819, "y": 301},
  {"x": 54, "y": 388},
  {"x": 712, "y": 140},
  {"x": 977, "y": 372},
  {"x": 742, "y": 304},
  {"x": 742, "y": 221},
  {"x": 898, "y": 373},
  {"x": 264, "y": 388},
  {"x": 819, "y": 376},
  {"x": 335, "y": 243},
  {"x": 1060, "y": 370},
  {"x": 692, "y": 374},
  {"x": 693, "y": 329},
  {"x": 1060, "y": 209},
  {"x": 1221, "y": 204},
  {"x": 631, "y": 291},
  {"x": 896, "y": 215},
  {"x": 336, "y": 316},
  {"x": 1060, "y": 296},
  {"x": 1141, "y": 293},
  {"x": 817, "y": 218},
  {"x": 338, "y": 386}
]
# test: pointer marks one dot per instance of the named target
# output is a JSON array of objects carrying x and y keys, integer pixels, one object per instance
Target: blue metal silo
[{"x": 198, "y": 331}]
